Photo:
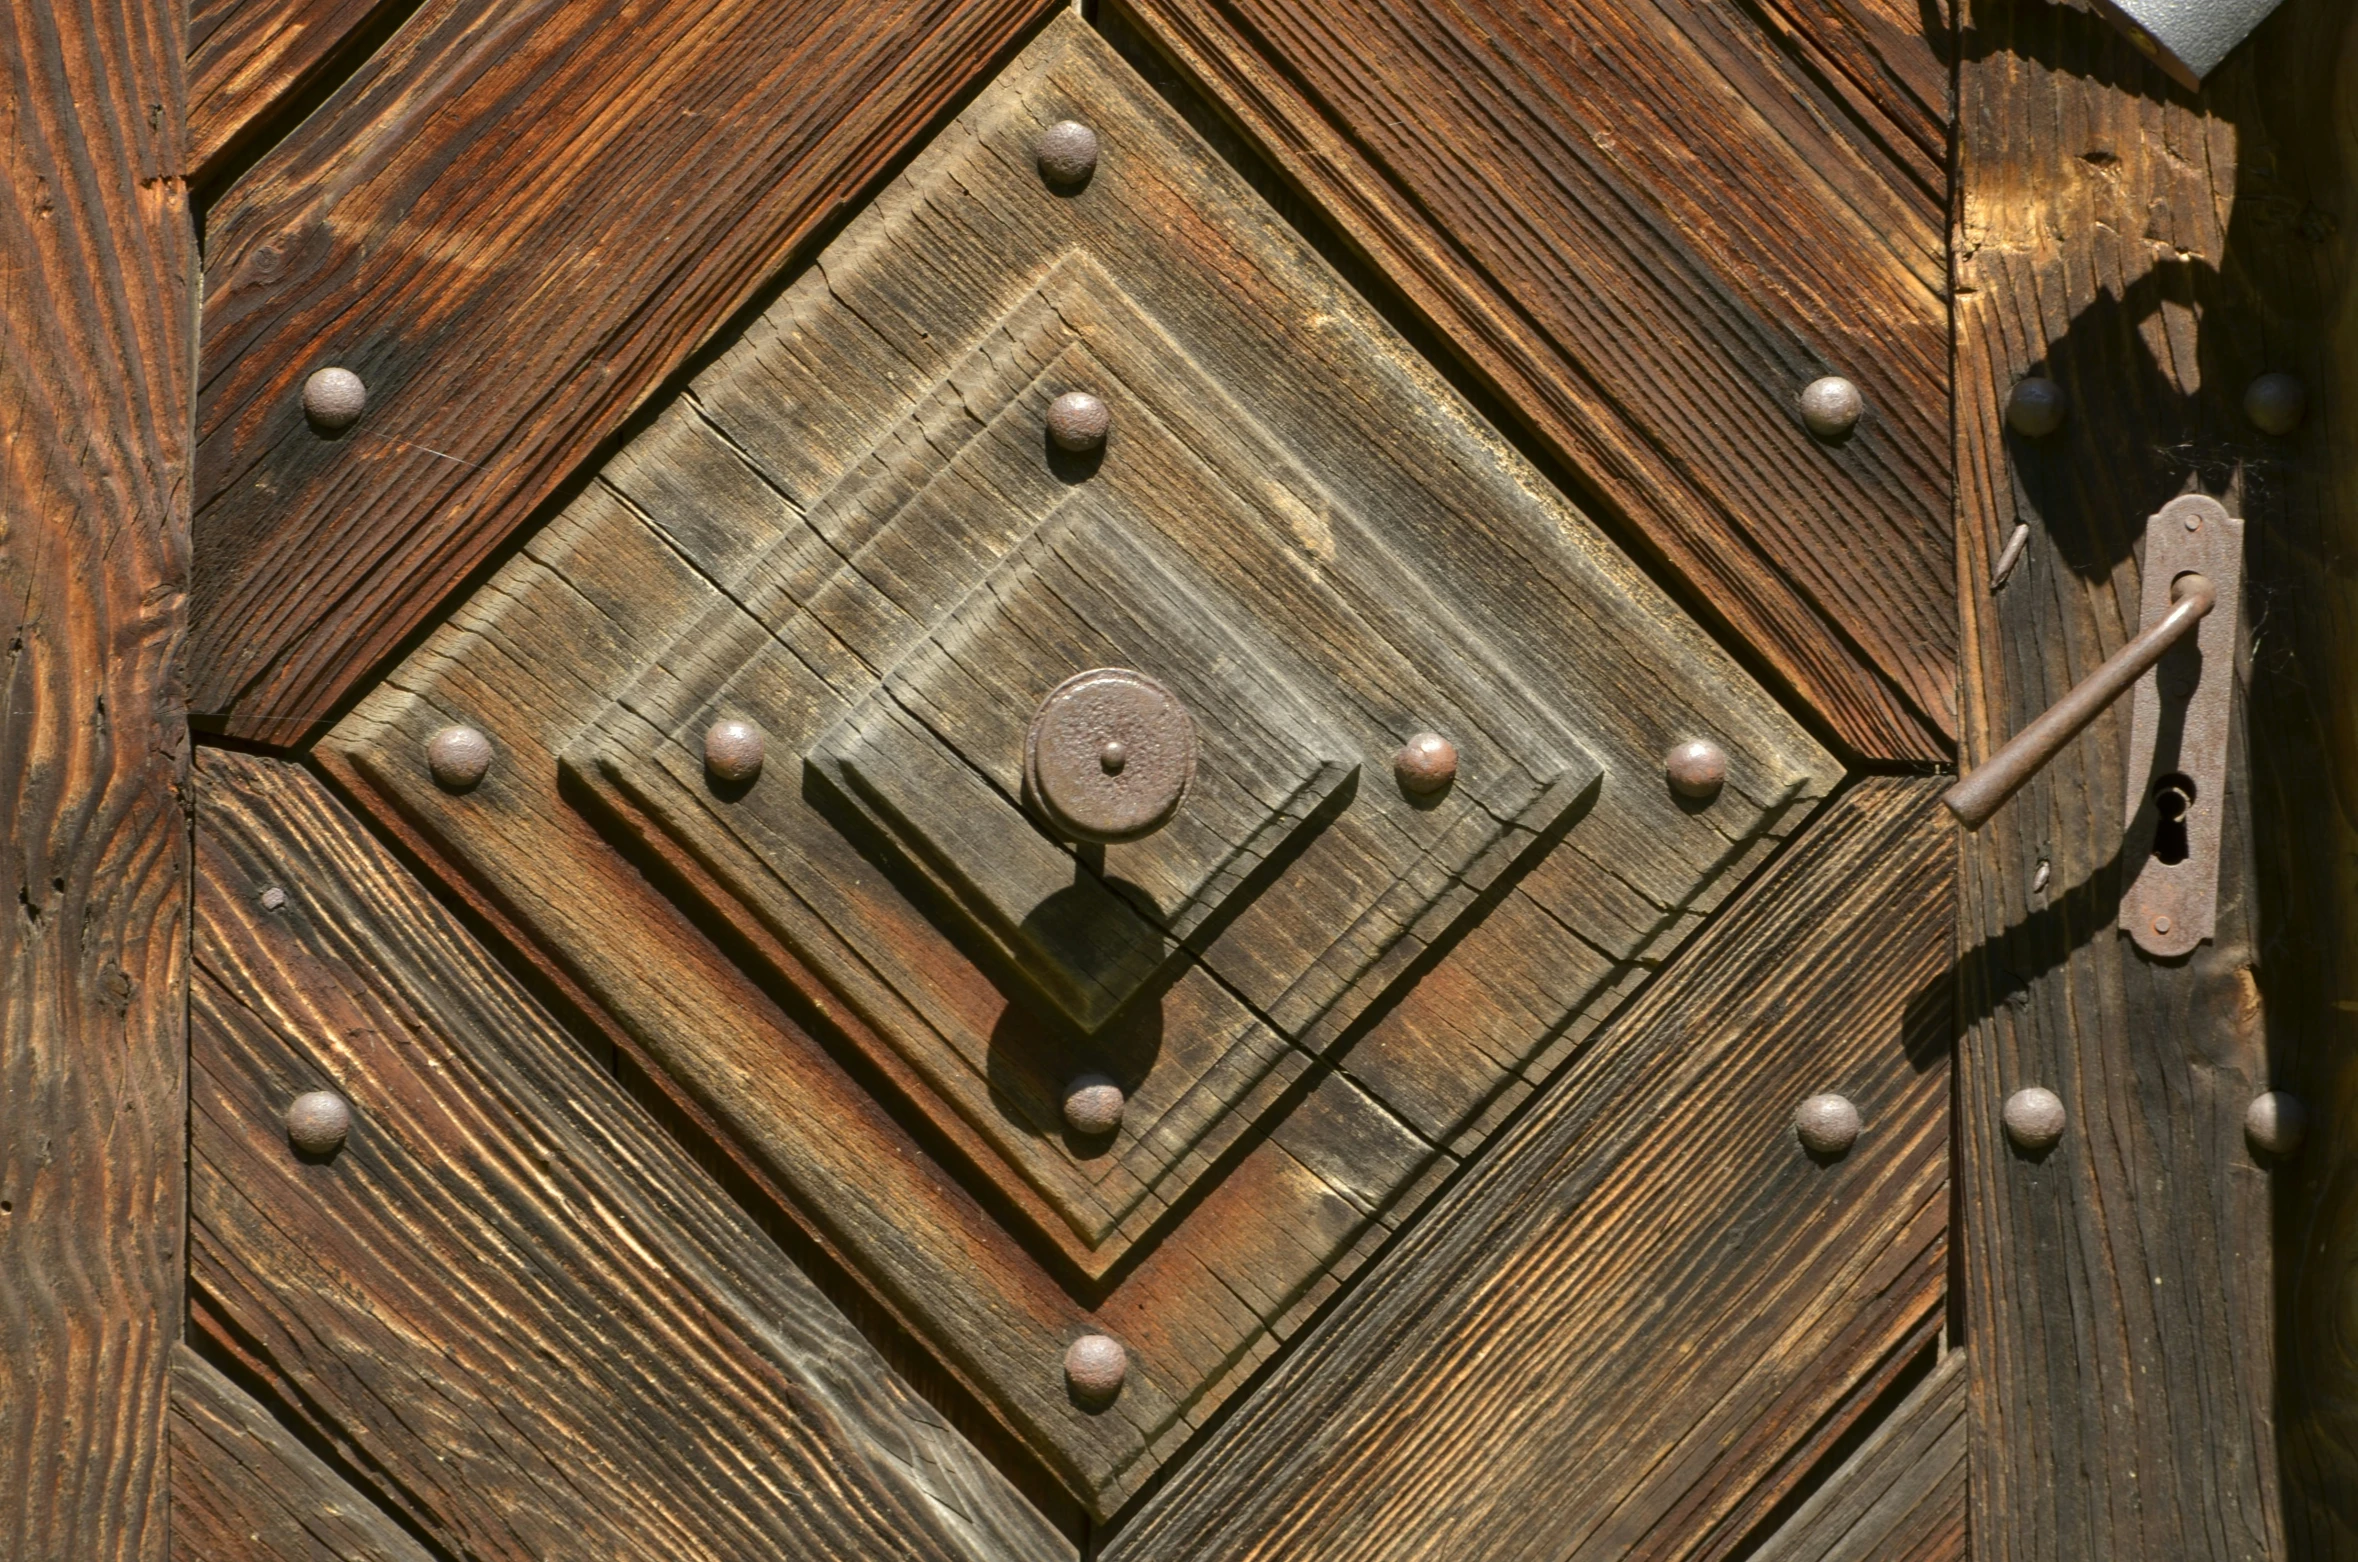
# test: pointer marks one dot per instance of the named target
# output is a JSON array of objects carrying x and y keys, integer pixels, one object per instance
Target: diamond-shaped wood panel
[{"x": 876, "y": 969}]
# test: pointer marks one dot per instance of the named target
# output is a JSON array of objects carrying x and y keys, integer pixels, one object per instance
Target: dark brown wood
[
  {"x": 1647, "y": 227},
  {"x": 509, "y": 1299},
  {"x": 247, "y": 59},
  {"x": 1901, "y": 1496},
  {"x": 2117, "y": 1289},
  {"x": 1602, "y": 1343},
  {"x": 97, "y": 300},
  {"x": 512, "y": 230},
  {"x": 245, "y": 1489}
]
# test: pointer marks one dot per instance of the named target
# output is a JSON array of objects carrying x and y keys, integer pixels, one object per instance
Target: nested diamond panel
[{"x": 877, "y": 968}]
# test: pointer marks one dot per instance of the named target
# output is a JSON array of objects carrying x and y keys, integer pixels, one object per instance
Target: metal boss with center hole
[{"x": 1109, "y": 755}]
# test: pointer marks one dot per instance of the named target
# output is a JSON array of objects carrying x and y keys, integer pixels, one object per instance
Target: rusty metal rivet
[
  {"x": 317, "y": 1122},
  {"x": 1064, "y": 755},
  {"x": 2162, "y": 925},
  {"x": 459, "y": 758},
  {"x": 1067, "y": 152},
  {"x": 1696, "y": 769},
  {"x": 1093, "y": 1105},
  {"x": 2034, "y": 1119},
  {"x": 333, "y": 399},
  {"x": 733, "y": 750},
  {"x": 1426, "y": 763},
  {"x": 1094, "y": 1366},
  {"x": 2276, "y": 403},
  {"x": 1827, "y": 1124},
  {"x": 1077, "y": 421},
  {"x": 2276, "y": 1123},
  {"x": 2037, "y": 407},
  {"x": 1831, "y": 406}
]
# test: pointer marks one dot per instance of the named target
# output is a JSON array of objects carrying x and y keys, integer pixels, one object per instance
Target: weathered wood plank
[
  {"x": 1604, "y": 1342},
  {"x": 1901, "y": 1496},
  {"x": 246, "y": 58},
  {"x": 509, "y": 1297},
  {"x": 97, "y": 326},
  {"x": 1647, "y": 229},
  {"x": 512, "y": 231},
  {"x": 245, "y": 1489}
]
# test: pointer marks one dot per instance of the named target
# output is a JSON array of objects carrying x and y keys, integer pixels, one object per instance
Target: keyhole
[{"x": 2173, "y": 799}]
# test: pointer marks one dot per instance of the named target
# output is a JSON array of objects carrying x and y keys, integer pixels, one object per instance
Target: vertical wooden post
[{"x": 97, "y": 259}]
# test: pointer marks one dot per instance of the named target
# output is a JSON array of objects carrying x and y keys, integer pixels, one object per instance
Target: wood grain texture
[
  {"x": 245, "y": 1489},
  {"x": 512, "y": 231},
  {"x": 1647, "y": 227},
  {"x": 509, "y": 1300},
  {"x": 1603, "y": 1341},
  {"x": 1901, "y": 1496},
  {"x": 247, "y": 58},
  {"x": 97, "y": 301},
  {"x": 2117, "y": 1290}
]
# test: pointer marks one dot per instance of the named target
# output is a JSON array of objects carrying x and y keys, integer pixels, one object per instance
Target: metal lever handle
[{"x": 1977, "y": 796}]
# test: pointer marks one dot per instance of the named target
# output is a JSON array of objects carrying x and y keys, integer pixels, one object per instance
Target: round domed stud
[
  {"x": 459, "y": 757},
  {"x": 732, "y": 751},
  {"x": 1831, "y": 406},
  {"x": 2034, "y": 1119},
  {"x": 1094, "y": 1367},
  {"x": 1077, "y": 421},
  {"x": 1093, "y": 1105},
  {"x": 2276, "y": 1123},
  {"x": 1426, "y": 764},
  {"x": 1696, "y": 769},
  {"x": 318, "y": 1122},
  {"x": 333, "y": 399},
  {"x": 1109, "y": 755},
  {"x": 2037, "y": 407},
  {"x": 1067, "y": 153},
  {"x": 1827, "y": 1125},
  {"x": 2276, "y": 403}
]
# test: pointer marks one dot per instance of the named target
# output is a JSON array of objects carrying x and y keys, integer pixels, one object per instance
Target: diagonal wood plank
[
  {"x": 511, "y": 230},
  {"x": 1901, "y": 1496},
  {"x": 509, "y": 1298},
  {"x": 97, "y": 324},
  {"x": 248, "y": 57},
  {"x": 1604, "y": 1342},
  {"x": 1648, "y": 228}
]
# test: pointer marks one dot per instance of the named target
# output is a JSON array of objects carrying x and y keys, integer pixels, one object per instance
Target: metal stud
[
  {"x": 1065, "y": 755},
  {"x": 1067, "y": 152},
  {"x": 732, "y": 751},
  {"x": 2276, "y": 403},
  {"x": 2034, "y": 1119},
  {"x": 2037, "y": 408},
  {"x": 1077, "y": 421},
  {"x": 1827, "y": 1125},
  {"x": 1093, "y": 1105},
  {"x": 318, "y": 1121},
  {"x": 274, "y": 899},
  {"x": 1426, "y": 764},
  {"x": 1094, "y": 1367},
  {"x": 2276, "y": 1123},
  {"x": 459, "y": 757},
  {"x": 1697, "y": 769},
  {"x": 1831, "y": 406},
  {"x": 333, "y": 399}
]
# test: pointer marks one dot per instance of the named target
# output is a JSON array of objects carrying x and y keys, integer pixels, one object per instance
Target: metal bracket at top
[
  {"x": 2183, "y": 718},
  {"x": 2187, "y": 38}
]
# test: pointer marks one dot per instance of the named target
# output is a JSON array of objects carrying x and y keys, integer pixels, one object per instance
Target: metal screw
[
  {"x": 2034, "y": 1119},
  {"x": 459, "y": 758},
  {"x": 1067, "y": 152},
  {"x": 1094, "y": 1367},
  {"x": 317, "y": 1122},
  {"x": 333, "y": 399},
  {"x": 1831, "y": 406},
  {"x": 732, "y": 750},
  {"x": 1696, "y": 769},
  {"x": 1426, "y": 763},
  {"x": 2276, "y": 1123},
  {"x": 1093, "y": 1105},
  {"x": 2276, "y": 403},
  {"x": 1064, "y": 755},
  {"x": 2037, "y": 407},
  {"x": 1077, "y": 421},
  {"x": 1828, "y": 1124}
]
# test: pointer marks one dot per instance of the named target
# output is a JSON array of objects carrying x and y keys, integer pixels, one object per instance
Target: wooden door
[{"x": 987, "y": 780}]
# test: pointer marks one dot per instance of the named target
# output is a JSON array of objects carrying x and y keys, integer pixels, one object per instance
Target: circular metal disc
[{"x": 1092, "y": 791}]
